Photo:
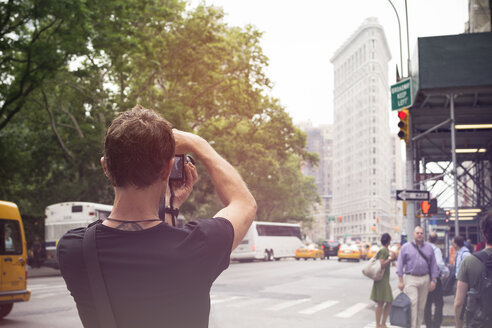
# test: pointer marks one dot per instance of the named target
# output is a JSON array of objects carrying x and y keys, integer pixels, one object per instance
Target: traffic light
[
  {"x": 339, "y": 219},
  {"x": 425, "y": 207},
  {"x": 433, "y": 206},
  {"x": 447, "y": 216},
  {"x": 377, "y": 219},
  {"x": 429, "y": 207},
  {"x": 404, "y": 126}
]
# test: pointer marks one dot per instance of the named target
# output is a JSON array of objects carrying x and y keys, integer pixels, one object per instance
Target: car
[
  {"x": 330, "y": 248},
  {"x": 309, "y": 252},
  {"x": 349, "y": 252},
  {"x": 373, "y": 250}
]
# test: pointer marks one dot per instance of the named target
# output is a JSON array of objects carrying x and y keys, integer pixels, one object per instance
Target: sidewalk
[
  {"x": 41, "y": 272},
  {"x": 448, "y": 312}
]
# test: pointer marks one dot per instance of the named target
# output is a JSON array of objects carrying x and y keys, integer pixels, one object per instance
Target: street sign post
[
  {"x": 412, "y": 195},
  {"x": 401, "y": 95}
]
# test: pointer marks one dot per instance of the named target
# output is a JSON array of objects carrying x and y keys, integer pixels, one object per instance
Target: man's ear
[
  {"x": 166, "y": 172},
  {"x": 105, "y": 169}
]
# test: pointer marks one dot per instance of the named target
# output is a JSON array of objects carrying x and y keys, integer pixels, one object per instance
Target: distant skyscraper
[
  {"x": 320, "y": 141},
  {"x": 362, "y": 161}
]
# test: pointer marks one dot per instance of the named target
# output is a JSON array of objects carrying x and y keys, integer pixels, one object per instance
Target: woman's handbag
[{"x": 373, "y": 269}]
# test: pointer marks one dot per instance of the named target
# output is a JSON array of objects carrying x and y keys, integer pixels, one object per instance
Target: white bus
[
  {"x": 267, "y": 241},
  {"x": 61, "y": 217}
]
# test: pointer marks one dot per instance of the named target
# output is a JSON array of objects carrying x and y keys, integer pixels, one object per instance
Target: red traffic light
[
  {"x": 402, "y": 114},
  {"x": 339, "y": 219},
  {"x": 425, "y": 207}
]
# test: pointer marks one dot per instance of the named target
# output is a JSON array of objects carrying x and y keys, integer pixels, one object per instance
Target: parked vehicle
[
  {"x": 349, "y": 252},
  {"x": 309, "y": 252},
  {"x": 330, "y": 248},
  {"x": 62, "y": 217},
  {"x": 13, "y": 258},
  {"x": 268, "y": 241},
  {"x": 373, "y": 250}
]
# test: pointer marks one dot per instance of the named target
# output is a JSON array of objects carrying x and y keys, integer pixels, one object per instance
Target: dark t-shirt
[{"x": 158, "y": 277}]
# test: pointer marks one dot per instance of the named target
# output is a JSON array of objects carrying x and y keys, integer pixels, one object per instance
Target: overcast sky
[{"x": 300, "y": 37}]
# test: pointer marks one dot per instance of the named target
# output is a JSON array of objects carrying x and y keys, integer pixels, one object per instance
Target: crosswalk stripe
[
  {"x": 318, "y": 307},
  {"x": 351, "y": 310},
  {"x": 214, "y": 301},
  {"x": 287, "y": 304},
  {"x": 248, "y": 302}
]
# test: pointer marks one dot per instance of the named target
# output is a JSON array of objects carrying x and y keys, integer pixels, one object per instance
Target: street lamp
[{"x": 399, "y": 33}]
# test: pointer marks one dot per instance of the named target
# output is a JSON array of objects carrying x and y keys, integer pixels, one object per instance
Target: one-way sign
[{"x": 412, "y": 195}]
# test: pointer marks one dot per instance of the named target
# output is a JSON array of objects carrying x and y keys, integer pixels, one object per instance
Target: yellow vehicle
[
  {"x": 349, "y": 252},
  {"x": 309, "y": 252},
  {"x": 373, "y": 251},
  {"x": 13, "y": 258}
]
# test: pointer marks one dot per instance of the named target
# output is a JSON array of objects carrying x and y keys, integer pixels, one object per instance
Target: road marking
[
  {"x": 318, "y": 307},
  {"x": 249, "y": 302},
  {"x": 44, "y": 295},
  {"x": 352, "y": 310},
  {"x": 287, "y": 304},
  {"x": 41, "y": 287},
  {"x": 225, "y": 300}
]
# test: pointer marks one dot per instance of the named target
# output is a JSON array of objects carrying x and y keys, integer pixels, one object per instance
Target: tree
[{"x": 201, "y": 74}]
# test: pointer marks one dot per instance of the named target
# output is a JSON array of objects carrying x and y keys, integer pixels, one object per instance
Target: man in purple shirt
[{"x": 417, "y": 273}]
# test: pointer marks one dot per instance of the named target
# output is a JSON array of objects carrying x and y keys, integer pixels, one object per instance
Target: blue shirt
[{"x": 460, "y": 255}]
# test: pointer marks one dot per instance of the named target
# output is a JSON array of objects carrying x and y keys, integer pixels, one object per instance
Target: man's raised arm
[{"x": 240, "y": 206}]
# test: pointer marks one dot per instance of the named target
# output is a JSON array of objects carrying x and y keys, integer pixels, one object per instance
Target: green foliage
[{"x": 68, "y": 68}]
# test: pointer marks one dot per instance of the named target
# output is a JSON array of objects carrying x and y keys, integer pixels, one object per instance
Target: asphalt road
[{"x": 286, "y": 293}]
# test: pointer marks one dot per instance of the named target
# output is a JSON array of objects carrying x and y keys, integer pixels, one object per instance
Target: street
[{"x": 284, "y": 293}]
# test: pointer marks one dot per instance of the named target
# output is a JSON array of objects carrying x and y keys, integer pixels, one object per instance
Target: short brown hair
[
  {"x": 486, "y": 226},
  {"x": 138, "y": 145}
]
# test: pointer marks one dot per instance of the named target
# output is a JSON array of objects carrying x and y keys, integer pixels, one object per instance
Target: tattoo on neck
[{"x": 129, "y": 226}]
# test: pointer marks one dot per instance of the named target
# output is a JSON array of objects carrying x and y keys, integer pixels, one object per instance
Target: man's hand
[
  {"x": 432, "y": 286},
  {"x": 183, "y": 190},
  {"x": 401, "y": 285}
]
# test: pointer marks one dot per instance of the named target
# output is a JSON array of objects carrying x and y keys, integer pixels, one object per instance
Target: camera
[{"x": 177, "y": 172}]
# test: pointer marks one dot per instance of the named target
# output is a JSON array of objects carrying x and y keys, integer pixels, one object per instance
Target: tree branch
[{"x": 53, "y": 127}]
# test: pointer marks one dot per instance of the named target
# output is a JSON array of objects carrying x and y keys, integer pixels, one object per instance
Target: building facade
[
  {"x": 320, "y": 141},
  {"x": 362, "y": 159}
]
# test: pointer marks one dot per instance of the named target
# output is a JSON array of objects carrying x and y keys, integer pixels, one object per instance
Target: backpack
[
  {"x": 401, "y": 311},
  {"x": 479, "y": 297}
]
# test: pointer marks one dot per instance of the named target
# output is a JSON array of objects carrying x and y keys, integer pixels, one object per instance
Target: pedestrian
[
  {"x": 37, "y": 250},
  {"x": 461, "y": 252},
  {"x": 381, "y": 292},
  {"x": 436, "y": 296},
  {"x": 155, "y": 274},
  {"x": 470, "y": 276},
  {"x": 417, "y": 273}
]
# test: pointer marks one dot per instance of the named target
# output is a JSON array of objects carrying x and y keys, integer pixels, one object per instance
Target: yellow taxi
[
  {"x": 309, "y": 252},
  {"x": 349, "y": 252},
  {"x": 373, "y": 250},
  {"x": 13, "y": 258}
]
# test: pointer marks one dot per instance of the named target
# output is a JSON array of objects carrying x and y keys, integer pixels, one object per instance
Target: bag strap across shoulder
[
  {"x": 96, "y": 281},
  {"x": 425, "y": 258}
]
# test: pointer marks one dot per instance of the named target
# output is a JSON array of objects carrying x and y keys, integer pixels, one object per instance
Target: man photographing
[{"x": 156, "y": 275}]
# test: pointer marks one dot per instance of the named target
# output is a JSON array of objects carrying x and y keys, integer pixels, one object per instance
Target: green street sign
[
  {"x": 401, "y": 95},
  {"x": 331, "y": 218}
]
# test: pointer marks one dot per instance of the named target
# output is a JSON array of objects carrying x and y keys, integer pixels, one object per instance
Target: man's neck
[
  {"x": 419, "y": 244},
  {"x": 131, "y": 203}
]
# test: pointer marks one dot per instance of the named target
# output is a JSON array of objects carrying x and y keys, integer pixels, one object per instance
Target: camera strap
[{"x": 171, "y": 210}]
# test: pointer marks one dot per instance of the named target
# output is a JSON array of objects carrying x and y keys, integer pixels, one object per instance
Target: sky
[{"x": 300, "y": 37}]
